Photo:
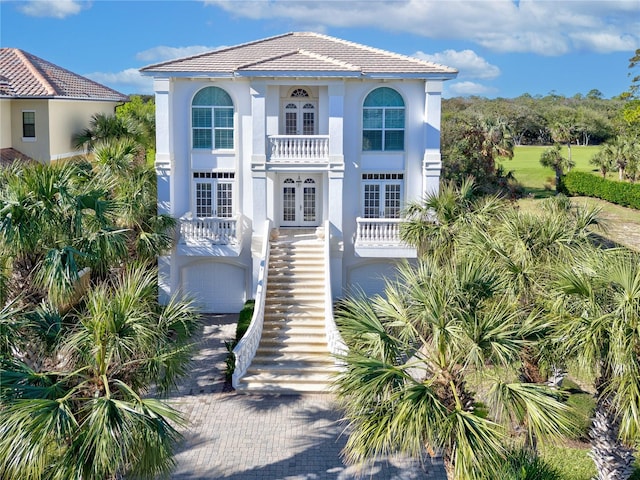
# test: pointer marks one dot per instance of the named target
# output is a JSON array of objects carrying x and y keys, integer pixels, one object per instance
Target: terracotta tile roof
[
  {"x": 303, "y": 52},
  {"x": 9, "y": 155},
  {"x": 25, "y": 75}
]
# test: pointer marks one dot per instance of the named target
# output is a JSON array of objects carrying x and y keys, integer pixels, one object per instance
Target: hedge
[{"x": 586, "y": 184}]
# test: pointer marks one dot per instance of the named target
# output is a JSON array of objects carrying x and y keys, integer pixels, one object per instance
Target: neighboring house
[
  {"x": 301, "y": 129},
  {"x": 43, "y": 105}
]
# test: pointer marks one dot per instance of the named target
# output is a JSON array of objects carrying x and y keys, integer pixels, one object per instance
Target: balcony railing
[
  {"x": 299, "y": 148},
  {"x": 378, "y": 231},
  {"x": 215, "y": 231}
]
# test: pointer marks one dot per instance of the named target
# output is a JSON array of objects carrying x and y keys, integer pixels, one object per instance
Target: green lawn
[{"x": 538, "y": 180}]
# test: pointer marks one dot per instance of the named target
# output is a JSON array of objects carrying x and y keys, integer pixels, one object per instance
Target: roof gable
[
  {"x": 25, "y": 75},
  {"x": 302, "y": 52}
]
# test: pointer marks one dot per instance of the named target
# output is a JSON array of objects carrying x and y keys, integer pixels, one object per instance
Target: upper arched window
[
  {"x": 383, "y": 120},
  {"x": 212, "y": 119}
]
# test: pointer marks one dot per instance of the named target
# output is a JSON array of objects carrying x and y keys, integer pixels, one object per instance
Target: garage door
[
  {"x": 216, "y": 287},
  {"x": 371, "y": 278}
]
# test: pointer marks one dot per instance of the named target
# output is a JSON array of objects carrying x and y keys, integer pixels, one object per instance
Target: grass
[
  {"x": 572, "y": 463},
  {"x": 622, "y": 224},
  {"x": 538, "y": 180}
]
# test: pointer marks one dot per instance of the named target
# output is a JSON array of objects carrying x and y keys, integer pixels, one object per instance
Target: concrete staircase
[{"x": 293, "y": 355}]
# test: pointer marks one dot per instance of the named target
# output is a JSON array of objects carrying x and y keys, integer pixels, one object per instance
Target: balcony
[
  {"x": 380, "y": 237},
  {"x": 305, "y": 149},
  {"x": 209, "y": 236}
]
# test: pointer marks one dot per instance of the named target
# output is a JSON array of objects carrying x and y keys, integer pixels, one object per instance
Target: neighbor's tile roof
[
  {"x": 10, "y": 155},
  {"x": 302, "y": 52},
  {"x": 25, "y": 75}
]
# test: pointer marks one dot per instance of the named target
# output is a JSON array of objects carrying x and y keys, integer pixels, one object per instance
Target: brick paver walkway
[{"x": 267, "y": 437}]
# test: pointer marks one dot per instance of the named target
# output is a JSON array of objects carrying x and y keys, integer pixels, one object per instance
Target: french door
[
  {"x": 300, "y": 201},
  {"x": 299, "y": 117},
  {"x": 382, "y": 195}
]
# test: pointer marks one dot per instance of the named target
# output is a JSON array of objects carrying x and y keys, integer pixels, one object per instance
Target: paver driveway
[{"x": 270, "y": 437}]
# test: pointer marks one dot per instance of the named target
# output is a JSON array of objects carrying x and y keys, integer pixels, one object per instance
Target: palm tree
[
  {"x": 600, "y": 314},
  {"x": 86, "y": 416},
  {"x": 620, "y": 152},
  {"x": 434, "y": 224},
  {"x": 604, "y": 162},
  {"x": 55, "y": 220},
  {"x": 412, "y": 356},
  {"x": 552, "y": 158},
  {"x": 102, "y": 127},
  {"x": 133, "y": 187}
]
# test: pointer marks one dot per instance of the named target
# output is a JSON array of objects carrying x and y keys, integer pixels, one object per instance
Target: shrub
[
  {"x": 620, "y": 193},
  {"x": 244, "y": 320},
  {"x": 523, "y": 465}
]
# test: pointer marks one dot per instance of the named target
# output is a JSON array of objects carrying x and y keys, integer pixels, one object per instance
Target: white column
[
  {"x": 259, "y": 125},
  {"x": 163, "y": 163},
  {"x": 336, "y": 196},
  {"x": 431, "y": 161},
  {"x": 167, "y": 271},
  {"x": 336, "y": 128}
]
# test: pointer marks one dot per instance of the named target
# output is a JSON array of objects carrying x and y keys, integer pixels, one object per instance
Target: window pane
[
  {"x": 224, "y": 200},
  {"x": 371, "y": 200},
  {"x": 372, "y": 140},
  {"x": 384, "y": 97},
  {"x": 372, "y": 118},
  {"x": 394, "y": 118},
  {"x": 29, "y": 124},
  {"x": 394, "y": 140},
  {"x": 392, "y": 201},
  {"x": 201, "y": 138},
  {"x": 203, "y": 200},
  {"x": 201, "y": 117},
  {"x": 223, "y": 117},
  {"x": 213, "y": 96},
  {"x": 224, "y": 138}
]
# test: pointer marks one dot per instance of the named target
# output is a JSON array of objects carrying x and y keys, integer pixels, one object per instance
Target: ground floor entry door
[{"x": 300, "y": 200}]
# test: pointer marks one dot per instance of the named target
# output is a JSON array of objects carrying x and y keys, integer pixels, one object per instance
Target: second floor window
[
  {"x": 212, "y": 119},
  {"x": 383, "y": 120}
]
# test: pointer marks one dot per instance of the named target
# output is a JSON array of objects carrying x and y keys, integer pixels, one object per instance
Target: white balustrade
[
  {"x": 248, "y": 345},
  {"x": 336, "y": 344},
  {"x": 300, "y": 148},
  {"x": 378, "y": 231},
  {"x": 219, "y": 231}
]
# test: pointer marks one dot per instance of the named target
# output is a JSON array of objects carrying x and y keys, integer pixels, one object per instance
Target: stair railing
[
  {"x": 248, "y": 345},
  {"x": 336, "y": 344}
]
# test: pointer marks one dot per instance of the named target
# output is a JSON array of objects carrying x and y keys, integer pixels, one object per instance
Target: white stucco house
[{"x": 296, "y": 131}]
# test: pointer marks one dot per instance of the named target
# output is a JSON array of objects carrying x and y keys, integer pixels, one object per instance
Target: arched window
[
  {"x": 212, "y": 119},
  {"x": 383, "y": 120}
]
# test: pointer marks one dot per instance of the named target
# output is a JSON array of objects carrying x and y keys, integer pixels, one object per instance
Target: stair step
[
  {"x": 295, "y": 362},
  {"x": 301, "y": 348}
]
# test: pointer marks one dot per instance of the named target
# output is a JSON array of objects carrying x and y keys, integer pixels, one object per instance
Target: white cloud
[
  {"x": 463, "y": 89},
  {"x": 53, "y": 8},
  {"x": 127, "y": 81},
  {"x": 162, "y": 53},
  {"x": 467, "y": 62},
  {"x": 539, "y": 26}
]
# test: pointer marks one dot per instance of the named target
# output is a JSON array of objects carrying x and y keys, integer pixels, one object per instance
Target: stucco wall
[
  {"x": 38, "y": 147},
  {"x": 257, "y": 191},
  {"x": 56, "y": 122},
  {"x": 5, "y": 123},
  {"x": 68, "y": 117}
]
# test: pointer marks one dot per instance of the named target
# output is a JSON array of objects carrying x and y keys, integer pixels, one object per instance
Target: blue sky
[{"x": 501, "y": 47}]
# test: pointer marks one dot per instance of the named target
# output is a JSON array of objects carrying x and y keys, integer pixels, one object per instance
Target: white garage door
[
  {"x": 370, "y": 278},
  {"x": 216, "y": 287}
]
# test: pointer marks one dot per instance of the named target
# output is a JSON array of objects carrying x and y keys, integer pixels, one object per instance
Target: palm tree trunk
[{"x": 612, "y": 458}]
